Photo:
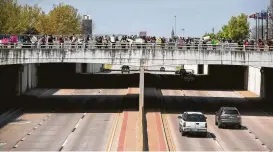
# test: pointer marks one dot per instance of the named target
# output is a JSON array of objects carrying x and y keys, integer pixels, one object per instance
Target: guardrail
[{"x": 156, "y": 46}]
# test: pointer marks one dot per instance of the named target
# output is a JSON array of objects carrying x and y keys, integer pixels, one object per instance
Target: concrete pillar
[
  {"x": 78, "y": 68},
  {"x": 262, "y": 85},
  {"x": 254, "y": 80},
  {"x": 142, "y": 115},
  {"x": 206, "y": 69},
  {"x": 27, "y": 78},
  {"x": 93, "y": 68},
  {"x": 192, "y": 67}
]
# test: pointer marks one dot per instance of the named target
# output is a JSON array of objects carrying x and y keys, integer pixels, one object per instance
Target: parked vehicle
[
  {"x": 162, "y": 69},
  {"x": 227, "y": 116},
  {"x": 193, "y": 122},
  {"x": 125, "y": 68}
]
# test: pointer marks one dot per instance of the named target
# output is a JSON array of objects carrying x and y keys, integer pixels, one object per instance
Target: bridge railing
[{"x": 154, "y": 46}]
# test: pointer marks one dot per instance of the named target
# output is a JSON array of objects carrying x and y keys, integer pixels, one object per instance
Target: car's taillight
[
  {"x": 184, "y": 124},
  {"x": 206, "y": 125}
]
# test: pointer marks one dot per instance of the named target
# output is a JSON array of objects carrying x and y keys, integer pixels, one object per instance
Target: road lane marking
[
  {"x": 113, "y": 133},
  {"x": 29, "y": 133},
  {"x": 73, "y": 130},
  {"x": 248, "y": 130},
  {"x": 168, "y": 135}
]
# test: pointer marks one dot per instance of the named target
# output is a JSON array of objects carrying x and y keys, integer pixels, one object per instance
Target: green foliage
[
  {"x": 16, "y": 19},
  {"x": 237, "y": 29}
]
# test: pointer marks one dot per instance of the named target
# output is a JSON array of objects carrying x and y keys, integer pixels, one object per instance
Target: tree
[
  {"x": 9, "y": 19},
  {"x": 63, "y": 19},
  {"x": 238, "y": 27}
]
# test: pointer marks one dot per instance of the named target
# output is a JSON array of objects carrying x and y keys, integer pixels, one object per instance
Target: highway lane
[
  {"x": 93, "y": 133},
  {"x": 93, "y": 127},
  {"x": 181, "y": 143},
  {"x": 258, "y": 122},
  {"x": 14, "y": 131},
  {"x": 217, "y": 139}
]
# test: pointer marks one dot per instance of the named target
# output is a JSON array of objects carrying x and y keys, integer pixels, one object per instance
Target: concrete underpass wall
[
  {"x": 93, "y": 67},
  {"x": 9, "y": 80},
  {"x": 65, "y": 76},
  {"x": 227, "y": 77},
  {"x": 268, "y": 84},
  {"x": 254, "y": 80},
  {"x": 220, "y": 77},
  {"x": 88, "y": 67}
]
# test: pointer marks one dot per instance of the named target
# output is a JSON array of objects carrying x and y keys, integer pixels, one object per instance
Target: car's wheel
[
  {"x": 204, "y": 134},
  {"x": 183, "y": 133},
  {"x": 216, "y": 123},
  {"x": 239, "y": 126},
  {"x": 219, "y": 125}
]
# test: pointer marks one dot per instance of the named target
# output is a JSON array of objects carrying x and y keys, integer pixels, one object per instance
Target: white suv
[{"x": 193, "y": 122}]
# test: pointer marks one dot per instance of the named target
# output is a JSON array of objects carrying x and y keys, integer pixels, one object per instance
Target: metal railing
[{"x": 154, "y": 46}]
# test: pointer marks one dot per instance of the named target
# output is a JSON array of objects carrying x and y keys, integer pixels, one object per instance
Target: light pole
[
  {"x": 175, "y": 25},
  {"x": 183, "y": 30}
]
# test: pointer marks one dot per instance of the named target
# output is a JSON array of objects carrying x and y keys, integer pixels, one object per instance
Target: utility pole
[
  {"x": 183, "y": 34},
  {"x": 175, "y": 25}
]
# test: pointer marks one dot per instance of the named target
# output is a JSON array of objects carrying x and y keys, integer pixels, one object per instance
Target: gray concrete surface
[
  {"x": 217, "y": 139},
  {"x": 56, "y": 132},
  {"x": 136, "y": 56}
]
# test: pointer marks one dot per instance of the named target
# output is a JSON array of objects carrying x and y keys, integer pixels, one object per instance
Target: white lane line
[
  {"x": 65, "y": 142},
  {"x": 113, "y": 132},
  {"x": 30, "y": 132},
  {"x": 73, "y": 130}
]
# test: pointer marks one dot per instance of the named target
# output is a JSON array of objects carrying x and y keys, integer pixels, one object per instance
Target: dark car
[
  {"x": 228, "y": 116},
  {"x": 162, "y": 69},
  {"x": 125, "y": 68}
]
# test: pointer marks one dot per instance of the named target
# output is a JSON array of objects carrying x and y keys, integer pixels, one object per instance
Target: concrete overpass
[
  {"x": 137, "y": 57},
  {"x": 256, "y": 70}
]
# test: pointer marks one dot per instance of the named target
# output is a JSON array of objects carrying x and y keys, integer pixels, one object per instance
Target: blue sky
[{"x": 157, "y": 16}]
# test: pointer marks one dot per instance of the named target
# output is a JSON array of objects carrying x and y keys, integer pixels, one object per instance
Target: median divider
[{"x": 166, "y": 129}]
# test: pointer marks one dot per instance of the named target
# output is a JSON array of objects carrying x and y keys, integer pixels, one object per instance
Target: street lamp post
[
  {"x": 175, "y": 25},
  {"x": 183, "y": 30}
]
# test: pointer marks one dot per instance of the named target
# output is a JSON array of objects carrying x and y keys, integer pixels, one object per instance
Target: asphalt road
[
  {"x": 71, "y": 129},
  {"x": 256, "y": 134}
]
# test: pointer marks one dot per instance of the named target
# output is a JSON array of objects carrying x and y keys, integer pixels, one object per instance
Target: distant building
[{"x": 87, "y": 28}]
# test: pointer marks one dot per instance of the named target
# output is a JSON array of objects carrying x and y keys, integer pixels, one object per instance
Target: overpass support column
[
  {"x": 141, "y": 108},
  {"x": 27, "y": 78},
  {"x": 255, "y": 79}
]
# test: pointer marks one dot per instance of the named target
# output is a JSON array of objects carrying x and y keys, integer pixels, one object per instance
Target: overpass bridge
[
  {"x": 137, "y": 56},
  {"x": 253, "y": 61}
]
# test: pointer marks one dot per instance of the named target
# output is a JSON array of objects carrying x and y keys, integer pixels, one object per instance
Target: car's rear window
[
  {"x": 196, "y": 118},
  {"x": 231, "y": 112}
]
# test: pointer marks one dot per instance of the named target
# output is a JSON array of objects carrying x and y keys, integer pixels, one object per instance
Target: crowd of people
[{"x": 124, "y": 41}]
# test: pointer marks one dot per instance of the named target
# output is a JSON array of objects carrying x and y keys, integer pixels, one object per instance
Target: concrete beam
[{"x": 134, "y": 57}]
